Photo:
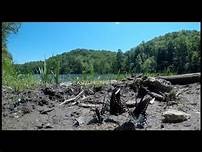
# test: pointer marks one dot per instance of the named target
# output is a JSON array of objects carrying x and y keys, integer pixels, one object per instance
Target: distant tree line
[{"x": 176, "y": 52}]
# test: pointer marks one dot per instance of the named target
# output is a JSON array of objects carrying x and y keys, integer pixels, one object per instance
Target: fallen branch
[
  {"x": 156, "y": 96},
  {"x": 73, "y": 99},
  {"x": 84, "y": 98},
  {"x": 183, "y": 78},
  {"x": 85, "y": 105}
]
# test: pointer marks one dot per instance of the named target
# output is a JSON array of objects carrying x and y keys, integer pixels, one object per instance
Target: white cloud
[{"x": 117, "y": 22}]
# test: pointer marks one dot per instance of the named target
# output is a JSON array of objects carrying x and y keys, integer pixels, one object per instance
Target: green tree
[{"x": 7, "y": 61}]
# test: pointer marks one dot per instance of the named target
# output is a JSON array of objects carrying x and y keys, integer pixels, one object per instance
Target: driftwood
[
  {"x": 116, "y": 107},
  {"x": 85, "y": 105},
  {"x": 156, "y": 96},
  {"x": 181, "y": 91},
  {"x": 141, "y": 107},
  {"x": 183, "y": 78},
  {"x": 46, "y": 111},
  {"x": 73, "y": 99}
]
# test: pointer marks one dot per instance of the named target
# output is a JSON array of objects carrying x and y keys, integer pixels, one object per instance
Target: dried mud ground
[{"x": 40, "y": 109}]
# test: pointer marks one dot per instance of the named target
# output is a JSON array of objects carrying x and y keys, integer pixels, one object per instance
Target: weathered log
[
  {"x": 116, "y": 107},
  {"x": 157, "y": 84},
  {"x": 183, "y": 78}
]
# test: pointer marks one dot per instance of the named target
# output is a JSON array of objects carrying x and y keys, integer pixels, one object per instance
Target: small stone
[
  {"x": 39, "y": 127},
  {"x": 79, "y": 121},
  {"x": 45, "y": 110},
  {"x": 26, "y": 109},
  {"x": 130, "y": 103},
  {"x": 187, "y": 125}
]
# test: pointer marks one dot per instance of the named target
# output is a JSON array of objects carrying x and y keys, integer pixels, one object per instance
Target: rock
[
  {"x": 79, "y": 121},
  {"x": 172, "y": 115},
  {"x": 187, "y": 125},
  {"x": 130, "y": 103},
  {"x": 48, "y": 125}
]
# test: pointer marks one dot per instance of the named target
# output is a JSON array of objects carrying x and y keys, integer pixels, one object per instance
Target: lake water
[{"x": 73, "y": 77}]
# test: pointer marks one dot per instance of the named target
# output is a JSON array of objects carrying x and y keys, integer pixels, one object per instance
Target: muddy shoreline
[{"x": 41, "y": 109}]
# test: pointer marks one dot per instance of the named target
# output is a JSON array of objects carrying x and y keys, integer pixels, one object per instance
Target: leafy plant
[{"x": 56, "y": 73}]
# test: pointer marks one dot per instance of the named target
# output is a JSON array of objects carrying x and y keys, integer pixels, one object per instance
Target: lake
[{"x": 73, "y": 77}]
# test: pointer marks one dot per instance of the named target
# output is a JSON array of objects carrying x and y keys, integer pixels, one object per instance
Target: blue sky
[{"x": 39, "y": 40}]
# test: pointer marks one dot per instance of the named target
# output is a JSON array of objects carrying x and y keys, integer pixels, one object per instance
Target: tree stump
[
  {"x": 116, "y": 107},
  {"x": 142, "y": 106}
]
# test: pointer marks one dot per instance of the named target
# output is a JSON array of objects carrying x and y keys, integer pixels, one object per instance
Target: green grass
[
  {"x": 11, "y": 78},
  {"x": 20, "y": 82},
  {"x": 56, "y": 73}
]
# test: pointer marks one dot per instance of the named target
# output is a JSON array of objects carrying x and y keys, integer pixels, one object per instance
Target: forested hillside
[{"x": 177, "y": 52}]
